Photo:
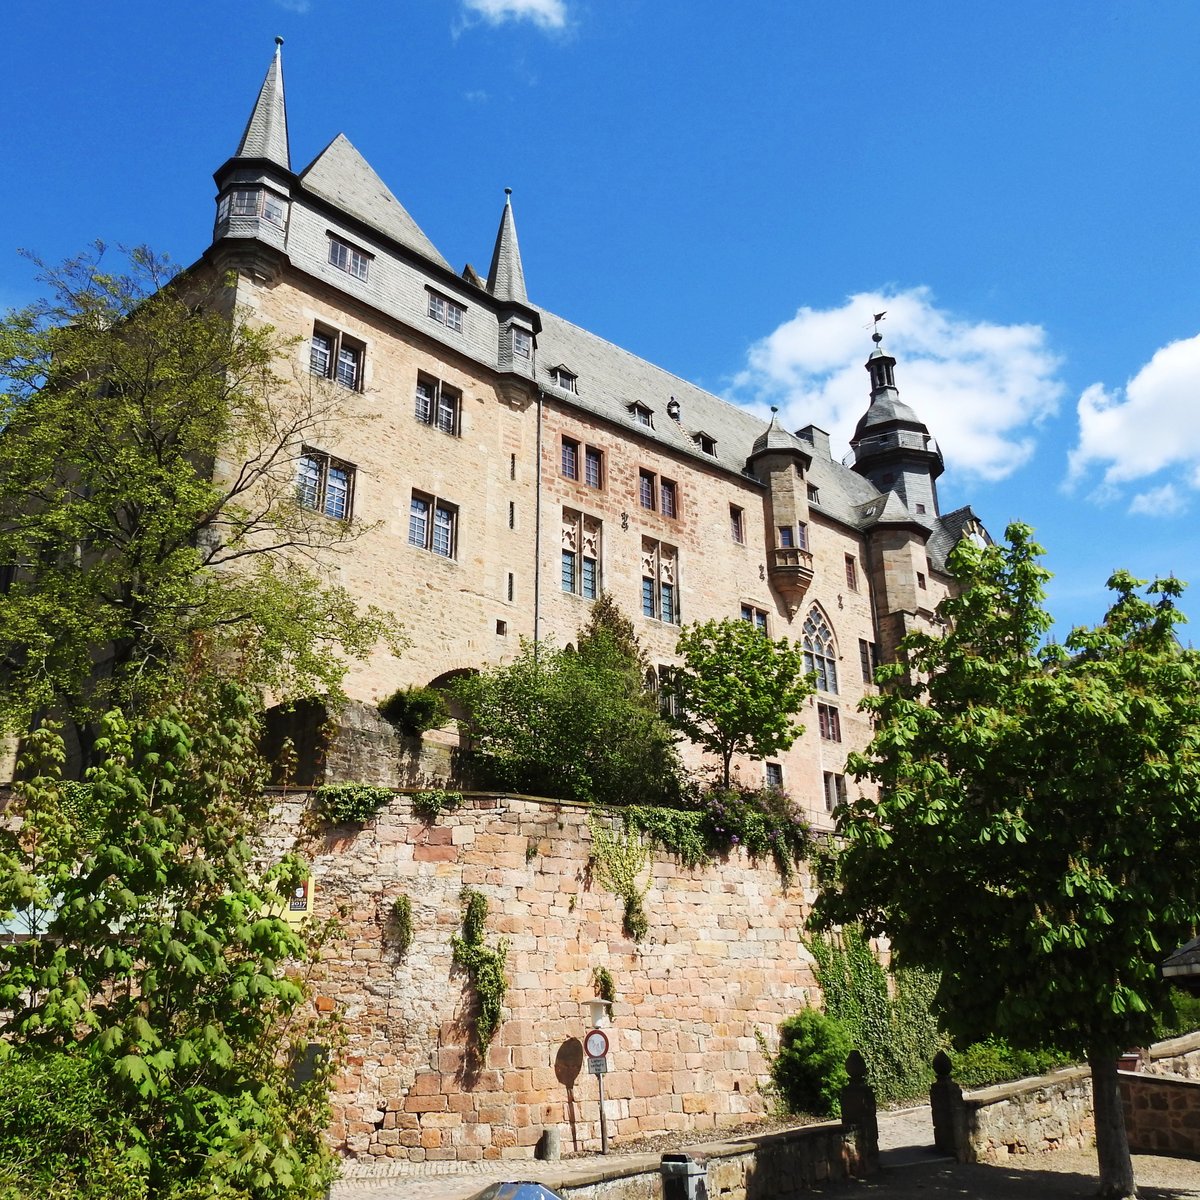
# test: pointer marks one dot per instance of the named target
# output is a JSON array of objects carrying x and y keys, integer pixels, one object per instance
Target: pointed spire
[
  {"x": 266, "y": 133},
  {"x": 506, "y": 277}
]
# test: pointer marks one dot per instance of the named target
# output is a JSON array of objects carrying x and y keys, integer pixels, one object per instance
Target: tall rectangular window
[
  {"x": 324, "y": 484},
  {"x": 835, "y": 790},
  {"x": 667, "y": 498},
  {"x": 660, "y": 582},
  {"x": 581, "y": 538},
  {"x": 774, "y": 775},
  {"x": 433, "y": 525},
  {"x": 437, "y": 404},
  {"x": 737, "y": 524},
  {"x": 787, "y": 537},
  {"x": 851, "y": 573},
  {"x": 646, "y": 495},
  {"x": 349, "y": 366},
  {"x": 755, "y": 617},
  {"x": 570, "y": 458},
  {"x": 830, "y": 722},
  {"x": 866, "y": 658},
  {"x": 802, "y": 536},
  {"x": 522, "y": 343},
  {"x": 593, "y": 467},
  {"x": 334, "y": 355}
]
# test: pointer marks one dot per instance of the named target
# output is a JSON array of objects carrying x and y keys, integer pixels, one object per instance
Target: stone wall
[
  {"x": 1162, "y": 1114},
  {"x": 722, "y": 960},
  {"x": 1178, "y": 1056},
  {"x": 1029, "y": 1116}
]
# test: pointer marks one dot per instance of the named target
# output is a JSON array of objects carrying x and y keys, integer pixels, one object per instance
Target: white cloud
[
  {"x": 546, "y": 14},
  {"x": 982, "y": 389},
  {"x": 1146, "y": 427},
  {"x": 1162, "y": 501}
]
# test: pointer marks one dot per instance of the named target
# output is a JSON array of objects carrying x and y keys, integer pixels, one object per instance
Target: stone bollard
[
  {"x": 949, "y": 1112},
  {"x": 549, "y": 1147},
  {"x": 858, "y": 1109}
]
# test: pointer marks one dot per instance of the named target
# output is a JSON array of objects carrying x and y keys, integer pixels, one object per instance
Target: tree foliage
[
  {"x": 737, "y": 691},
  {"x": 574, "y": 725},
  {"x": 1039, "y": 816},
  {"x": 157, "y": 956},
  {"x": 148, "y": 496}
]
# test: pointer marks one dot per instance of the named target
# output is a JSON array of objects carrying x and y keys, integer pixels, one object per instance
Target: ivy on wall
[
  {"x": 619, "y": 856},
  {"x": 484, "y": 965},
  {"x": 350, "y": 803}
]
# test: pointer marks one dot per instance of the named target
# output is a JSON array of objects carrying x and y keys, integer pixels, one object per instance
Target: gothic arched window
[{"x": 820, "y": 655}]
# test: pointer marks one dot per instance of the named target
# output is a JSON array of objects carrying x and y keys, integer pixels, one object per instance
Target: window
[
  {"x": 851, "y": 573},
  {"x": 512, "y": 514},
  {"x": 755, "y": 616},
  {"x": 324, "y": 484},
  {"x": 835, "y": 790},
  {"x": 593, "y": 467},
  {"x": 512, "y": 586},
  {"x": 820, "y": 658},
  {"x": 522, "y": 343},
  {"x": 348, "y": 258},
  {"x": 433, "y": 525},
  {"x": 564, "y": 379},
  {"x": 646, "y": 490},
  {"x": 787, "y": 537},
  {"x": 737, "y": 524},
  {"x": 335, "y": 356},
  {"x": 438, "y": 404},
  {"x": 708, "y": 445},
  {"x": 642, "y": 415},
  {"x": 802, "y": 536},
  {"x": 502, "y": 628},
  {"x": 774, "y": 775},
  {"x": 921, "y": 580},
  {"x": 581, "y": 538},
  {"x": 920, "y": 509},
  {"x": 253, "y": 202},
  {"x": 814, "y": 496},
  {"x": 660, "y": 596},
  {"x": 830, "y": 722},
  {"x": 447, "y": 312},
  {"x": 668, "y": 701},
  {"x": 668, "y": 498},
  {"x": 570, "y": 458},
  {"x": 867, "y": 660}
]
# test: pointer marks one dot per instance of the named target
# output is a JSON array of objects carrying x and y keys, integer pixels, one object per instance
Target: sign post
[{"x": 596, "y": 1045}]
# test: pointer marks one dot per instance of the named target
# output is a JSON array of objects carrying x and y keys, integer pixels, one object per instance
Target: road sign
[
  {"x": 597, "y": 1066},
  {"x": 596, "y": 1043}
]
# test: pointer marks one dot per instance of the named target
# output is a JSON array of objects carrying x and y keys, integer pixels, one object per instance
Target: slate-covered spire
[
  {"x": 506, "y": 277},
  {"x": 266, "y": 133}
]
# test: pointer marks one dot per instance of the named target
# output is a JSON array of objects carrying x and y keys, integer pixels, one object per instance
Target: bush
[
  {"x": 1182, "y": 1015},
  {"x": 413, "y": 710},
  {"x": 350, "y": 803},
  {"x": 809, "y": 1071},
  {"x": 62, "y": 1137},
  {"x": 982, "y": 1064}
]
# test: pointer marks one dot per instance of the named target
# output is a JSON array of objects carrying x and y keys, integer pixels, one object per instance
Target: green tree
[
  {"x": 737, "y": 691},
  {"x": 156, "y": 957},
  {"x": 148, "y": 497},
  {"x": 1038, "y": 817},
  {"x": 575, "y": 725}
]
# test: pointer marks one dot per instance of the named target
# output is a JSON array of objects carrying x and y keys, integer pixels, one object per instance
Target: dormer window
[
  {"x": 707, "y": 444},
  {"x": 642, "y": 415},
  {"x": 348, "y": 258},
  {"x": 253, "y": 202},
  {"x": 447, "y": 312},
  {"x": 522, "y": 343},
  {"x": 814, "y": 494},
  {"x": 565, "y": 379}
]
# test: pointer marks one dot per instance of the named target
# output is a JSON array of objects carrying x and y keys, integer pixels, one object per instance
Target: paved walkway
[{"x": 910, "y": 1170}]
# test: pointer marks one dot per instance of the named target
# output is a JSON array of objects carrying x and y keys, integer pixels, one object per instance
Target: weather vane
[{"x": 877, "y": 337}]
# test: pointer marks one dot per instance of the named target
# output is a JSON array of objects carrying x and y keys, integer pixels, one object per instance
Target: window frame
[
  {"x": 318, "y": 499},
  {"x": 648, "y": 489},
  {"x": 569, "y": 458},
  {"x": 441, "y": 397},
  {"x": 868, "y": 659},
  {"x": 593, "y": 457},
  {"x": 851, "y": 572},
  {"x": 351, "y": 259},
  {"x": 820, "y": 659},
  {"x": 340, "y": 348},
  {"x": 773, "y": 775},
  {"x": 585, "y": 577},
  {"x": 660, "y": 596},
  {"x": 668, "y": 507},
  {"x": 753, "y": 615},
  {"x": 567, "y": 380},
  {"x": 446, "y": 311},
  {"x": 834, "y": 787},
  {"x": 737, "y": 525},
  {"x": 522, "y": 342},
  {"x": 829, "y": 722},
  {"x": 438, "y": 514}
]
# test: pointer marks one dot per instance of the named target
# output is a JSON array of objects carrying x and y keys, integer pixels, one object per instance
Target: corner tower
[{"x": 892, "y": 447}]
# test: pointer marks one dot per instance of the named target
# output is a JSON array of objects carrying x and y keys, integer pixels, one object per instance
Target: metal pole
[{"x": 603, "y": 1119}]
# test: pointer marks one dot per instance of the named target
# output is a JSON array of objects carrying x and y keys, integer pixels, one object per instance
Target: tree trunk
[{"x": 1112, "y": 1143}]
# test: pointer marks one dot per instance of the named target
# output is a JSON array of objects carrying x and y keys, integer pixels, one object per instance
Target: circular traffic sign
[{"x": 596, "y": 1044}]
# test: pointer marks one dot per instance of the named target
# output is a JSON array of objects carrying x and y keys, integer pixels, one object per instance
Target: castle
[{"x": 517, "y": 465}]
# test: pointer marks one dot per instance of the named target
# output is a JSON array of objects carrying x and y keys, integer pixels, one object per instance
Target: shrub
[
  {"x": 484, "y": 966},
  {"x": 413, "y": 710},
  {"x": 350, "y": 803},
  {"x": 402, "y": 923},
  {"x": 429, "y": 804},
  {"x": 809, "y": 1071},
  {"x": 1182, "y": 1015},
  {"x": 982, "y": 1064},
  {"x": 62, "y": 1137}
]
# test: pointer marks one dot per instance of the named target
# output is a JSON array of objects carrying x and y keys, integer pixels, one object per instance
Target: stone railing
[{"x": 1032, "y": 1116}]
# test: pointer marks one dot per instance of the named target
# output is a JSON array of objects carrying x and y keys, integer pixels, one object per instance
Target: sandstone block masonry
[{"x": 722, "y": 963}]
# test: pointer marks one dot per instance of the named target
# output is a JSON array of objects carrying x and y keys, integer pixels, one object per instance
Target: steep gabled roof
[
  {"x": 266, "y": 134},
  {"x": 506, "y": 277},
  {"x": 340, "y": 175},
  {"x": 948, "y": 531}
]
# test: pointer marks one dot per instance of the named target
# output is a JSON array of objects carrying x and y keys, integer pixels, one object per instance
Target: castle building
[{"x": 516, "y": 465}]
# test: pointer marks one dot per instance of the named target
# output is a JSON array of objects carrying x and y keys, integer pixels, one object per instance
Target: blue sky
[{"x": 729, "y": 190}]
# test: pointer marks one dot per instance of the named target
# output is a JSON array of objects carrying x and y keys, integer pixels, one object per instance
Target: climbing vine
[
  {"x": 606, "y": 988},
  {"x": 350, "y": 803},
  {"x": 618, "y": 859},
  {"x": 402, "y": 923},
  {"x": 431, "y": 803},
  {"x": 484, "y": 965}
]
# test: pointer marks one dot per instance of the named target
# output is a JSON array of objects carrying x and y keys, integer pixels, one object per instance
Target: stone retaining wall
[
  {"x": 722, "y": 960},
  {"x": 1162, "y": 1114},
  {"x": 1030, "y": 1116}
]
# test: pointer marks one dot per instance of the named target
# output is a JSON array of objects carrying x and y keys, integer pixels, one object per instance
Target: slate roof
[
  {"x": 947, "y": 533},
  {"x": 506, "y": 277},
  {"x": 340, "y": 175},
  {"x": 266, "y": 134}
]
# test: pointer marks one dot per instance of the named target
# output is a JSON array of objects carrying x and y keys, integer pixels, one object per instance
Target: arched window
[{"x": 820, "y": 656}]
